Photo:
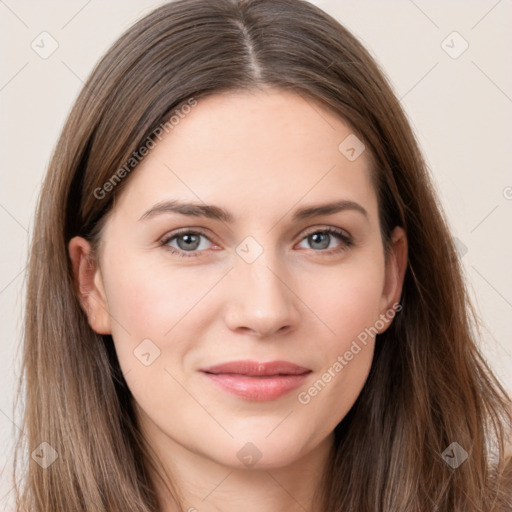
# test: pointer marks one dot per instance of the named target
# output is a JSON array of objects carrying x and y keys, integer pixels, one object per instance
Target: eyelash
[{"x": 346, "y": 240}]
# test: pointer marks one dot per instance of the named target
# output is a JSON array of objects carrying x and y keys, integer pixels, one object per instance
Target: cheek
[
  {"x": 142, "y": 309},
  {"x": 149, "y": 301},
  {"x": 330, "y": 395},
  {"x": 349, "y": 308},
  {"x": 348, "y": 300},
  {"x": 159, "y": 315},
  {"x": 149, "y": 310}
]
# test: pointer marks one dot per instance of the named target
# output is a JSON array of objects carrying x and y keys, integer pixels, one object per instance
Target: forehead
[{"x": 254, "y": 151}]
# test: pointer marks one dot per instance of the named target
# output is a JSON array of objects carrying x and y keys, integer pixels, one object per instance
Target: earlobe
[
  {"x": 396, "y": 265},
  {"x": 89, "y": 285}
]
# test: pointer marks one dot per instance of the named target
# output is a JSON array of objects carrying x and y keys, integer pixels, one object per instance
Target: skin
[{"x": 260, "y": 155}]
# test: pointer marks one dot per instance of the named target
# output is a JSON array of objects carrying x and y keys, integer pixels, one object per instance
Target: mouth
[{"x": 257, "y": 381}]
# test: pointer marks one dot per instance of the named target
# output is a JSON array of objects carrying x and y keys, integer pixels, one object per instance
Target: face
[{"x": 285, "y": 298}]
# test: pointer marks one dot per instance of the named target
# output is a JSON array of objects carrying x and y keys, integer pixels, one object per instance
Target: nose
[{"x": 262, "y": 301}]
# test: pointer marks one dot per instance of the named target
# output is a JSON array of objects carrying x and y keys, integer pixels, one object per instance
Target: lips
[
  {"x": 257, "y": 381},
  {"x": 256, "y": 369}
]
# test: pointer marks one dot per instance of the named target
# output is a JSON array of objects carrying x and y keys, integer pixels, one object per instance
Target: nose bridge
[
  {"x": 262, "y": 281},
  {"x": 262, "y": 300}
]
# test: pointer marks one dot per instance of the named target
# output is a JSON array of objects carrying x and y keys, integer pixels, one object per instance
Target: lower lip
[{"x": 258, "y": 389}]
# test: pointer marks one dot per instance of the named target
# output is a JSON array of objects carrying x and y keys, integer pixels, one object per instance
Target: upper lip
[{"x": 257, "y": 369}]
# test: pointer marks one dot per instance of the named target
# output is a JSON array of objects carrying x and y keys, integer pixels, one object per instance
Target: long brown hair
[{"x": 428, "y": 386}]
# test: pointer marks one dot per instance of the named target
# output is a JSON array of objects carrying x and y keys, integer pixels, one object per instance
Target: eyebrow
[{"x": 218, "y": 213}]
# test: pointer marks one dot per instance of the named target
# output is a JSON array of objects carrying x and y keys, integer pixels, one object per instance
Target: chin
[{"x": 265, "y": 451}]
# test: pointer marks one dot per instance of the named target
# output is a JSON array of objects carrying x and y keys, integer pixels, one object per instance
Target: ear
[
  {"x": 396, "y": 265},
  {"x": 89, "y": 285}
]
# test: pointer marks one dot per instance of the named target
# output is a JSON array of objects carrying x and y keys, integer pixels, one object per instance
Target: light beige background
[{"x": 460, "y": 108}]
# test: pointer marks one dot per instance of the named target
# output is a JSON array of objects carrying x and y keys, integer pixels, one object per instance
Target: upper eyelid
[
  {"x": 309, "y": 231},
  {"x": 175, "y": 234}
]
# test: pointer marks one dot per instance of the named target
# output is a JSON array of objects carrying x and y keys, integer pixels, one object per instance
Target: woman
[{"x": 190, "y": 346}]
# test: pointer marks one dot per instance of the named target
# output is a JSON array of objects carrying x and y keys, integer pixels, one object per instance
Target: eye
[
  {"x": 321, "y": 239},
  {"x": 188, "y": 242}
]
